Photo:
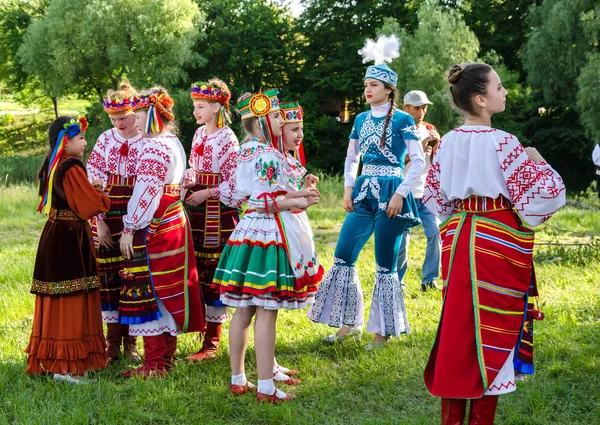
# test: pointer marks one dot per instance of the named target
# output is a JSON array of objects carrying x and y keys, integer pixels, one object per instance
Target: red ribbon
[{"x": 273, "y": 195}]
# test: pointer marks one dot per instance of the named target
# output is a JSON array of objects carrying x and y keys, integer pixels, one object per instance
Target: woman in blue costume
[{"x": 379, "y": 202}]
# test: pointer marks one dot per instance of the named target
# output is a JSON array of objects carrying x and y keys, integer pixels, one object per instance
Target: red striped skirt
[
  {"x": 163, "y": 266},
  {"x": 487, "y": 269}
]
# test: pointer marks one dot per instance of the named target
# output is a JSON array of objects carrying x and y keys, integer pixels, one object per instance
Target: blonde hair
[
  {"x": 249, "y": 124},
  {"x": 125, "y": 91}
]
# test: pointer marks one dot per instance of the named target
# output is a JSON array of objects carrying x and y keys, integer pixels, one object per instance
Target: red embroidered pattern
[
  {"x": 432, "y": 184},
  {"x": 507, "y": 162},
  {"x": 464, "y": 130},
  {"x": 505, "y": 142}
]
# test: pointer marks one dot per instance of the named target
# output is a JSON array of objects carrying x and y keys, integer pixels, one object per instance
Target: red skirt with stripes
[
  {"x": 486, "y": 268},
  {"x": 163, "y": 266}
]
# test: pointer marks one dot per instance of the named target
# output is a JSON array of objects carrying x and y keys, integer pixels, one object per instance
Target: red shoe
[
  {"x": 212, "y": 337},
  {"x": 241, "y": 389},
  {"x": 266, "y": 398},
  {"x": 292, "y": 372},
  {"x": 203, "y": 355},
  {"x": 171, "y": 343},
  {"x": 483, "y": 410},
  {"x": 155, "y": 349},
  {"x": 453, "y": 411},
  {"x": 114, "y": 335},
  {"x": 144, "y": 372}
]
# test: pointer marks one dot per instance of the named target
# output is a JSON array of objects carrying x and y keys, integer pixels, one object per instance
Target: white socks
[
  {"x": 278, "y": 367},
  {"x": 266, "y": 386},
  {"x": 278, "y": 376},
  {"x": 239, "y": 379}
]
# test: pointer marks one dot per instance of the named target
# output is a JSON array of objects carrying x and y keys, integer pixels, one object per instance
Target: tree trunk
[{"x": 55, "y": 103}]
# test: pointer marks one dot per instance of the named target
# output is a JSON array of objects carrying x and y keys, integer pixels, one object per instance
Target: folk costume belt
[
  {"x": 116, "y": 180},
  {"x": 212, "y": 215},
  {"x": 381, "y": 171},
  {"x": 208, "y": 179},
  {"x": 481, "y": 204},
  {"x": 172, "y": 190},
  {"x": 62, "y": 215}
]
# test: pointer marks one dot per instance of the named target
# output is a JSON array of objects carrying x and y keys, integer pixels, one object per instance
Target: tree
[
  {"x": 557, "y": 49},
  {"x": 87, "y": 46},
  {"x": 441, "y": 40},
  {"x": 561, "y": 57},
  {"x": 500, "y": 27},
  {"x": 251, "y": 44},
  {"x": 333, "y": 31},
  {"x": 329, "y": 70},
  {"x": 15, "y": 18}
]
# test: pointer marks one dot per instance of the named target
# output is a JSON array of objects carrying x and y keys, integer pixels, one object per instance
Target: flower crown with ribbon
[
  {"x": 70, "y": 130},
  {"x": 118, "y": 106},
  {"x": 291, "y": 112},
  {"x": 157, "y": 105},
  {"x": 204, "y": 91},
  {"x": 385, "y": 49},
  {"x": 259, "y": 104}
]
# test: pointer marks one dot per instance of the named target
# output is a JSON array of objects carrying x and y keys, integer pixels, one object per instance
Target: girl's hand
[
  {"x": 188, "y": 179},
  {"x": 395, "y": 205},
  {"x": 311, "y": 180},
  {"x": 126, "y": 245},
  {"x": 198, "y": 198},
  {"x": 307, "y": 191},
  {"x": 534, "y": 155},
  {"x": 301, "y": 203},
  {"x": 348, "y": 205},
  {"x": 104, "y": 237},
  {"x": 312, "y": 200}
]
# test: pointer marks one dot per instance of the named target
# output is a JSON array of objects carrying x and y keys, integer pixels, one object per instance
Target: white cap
[{"x": 416, "y": 98}]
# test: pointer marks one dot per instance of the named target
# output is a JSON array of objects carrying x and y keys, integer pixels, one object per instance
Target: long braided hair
[{"x": 393, "y": 97}]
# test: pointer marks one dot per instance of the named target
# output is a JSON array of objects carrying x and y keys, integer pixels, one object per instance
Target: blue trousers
[
  {"x": 339, "y": 300},
  {"x": 431, "y": 265}
]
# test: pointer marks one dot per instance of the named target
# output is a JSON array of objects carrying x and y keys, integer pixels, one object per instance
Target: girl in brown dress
[{"x": 67, "y": 338}]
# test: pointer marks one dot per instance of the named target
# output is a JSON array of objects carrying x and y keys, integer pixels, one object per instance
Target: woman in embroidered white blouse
[{"x": 484, "y": 184}]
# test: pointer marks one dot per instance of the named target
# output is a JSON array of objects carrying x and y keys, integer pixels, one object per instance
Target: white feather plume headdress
[{"x": 385, "y": 49}]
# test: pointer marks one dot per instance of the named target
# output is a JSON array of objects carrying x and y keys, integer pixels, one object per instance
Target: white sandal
[{"x": 333, "y": 338}]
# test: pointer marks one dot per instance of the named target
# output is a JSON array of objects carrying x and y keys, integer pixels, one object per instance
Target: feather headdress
[{"x": 385, "y": 49}]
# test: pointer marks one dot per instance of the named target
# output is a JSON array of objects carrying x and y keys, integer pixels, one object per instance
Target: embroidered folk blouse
[
  {"x": 162, "y": 162},
  {"x": 259, "y": 175},
  {"x": 484, "y": 161},
  {"x": 401, "y": 136},
  {"x": 217, "y": 153},
  {"x": 113, "y": 154}
]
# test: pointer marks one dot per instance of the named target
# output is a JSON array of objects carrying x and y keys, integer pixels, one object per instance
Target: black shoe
[{"x": 429, "y": 285}]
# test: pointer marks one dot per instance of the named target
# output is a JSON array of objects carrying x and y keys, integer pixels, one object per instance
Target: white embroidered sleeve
[
  {"x": 227, "y": 156},
  {"x": 351, "y": 165},
  {"x": 148, "y": 189},
  {"x": 536, "y": 190},
  {"x": 96, "y": 164},
  {"x": 434, "y": 197},
  {"x": 417, "y": 168}
]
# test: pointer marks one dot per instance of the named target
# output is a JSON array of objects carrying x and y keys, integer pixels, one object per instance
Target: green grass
[
  {"x": 341, "y": 384},
  {"x": 24, "y": 139}
]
